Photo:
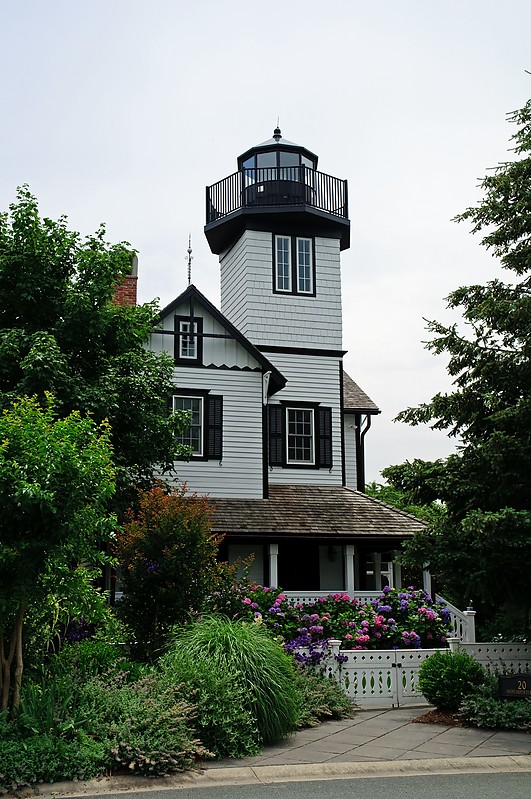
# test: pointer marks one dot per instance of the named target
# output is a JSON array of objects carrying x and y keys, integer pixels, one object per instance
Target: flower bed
[{"x": 398, "y": 618}]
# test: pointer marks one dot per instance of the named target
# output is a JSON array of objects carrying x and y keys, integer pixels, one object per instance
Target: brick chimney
[{"x": 125, "y": 293}]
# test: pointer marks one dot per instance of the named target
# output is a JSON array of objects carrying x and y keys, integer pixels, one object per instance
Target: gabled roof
[
  {"x": 307, "y": 511},
  {"x": 354, "y": 399},
  {"x": 192, "y": 294}
]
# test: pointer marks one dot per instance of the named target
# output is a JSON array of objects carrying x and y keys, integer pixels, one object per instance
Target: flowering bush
[{"x": 394, "y": 620}]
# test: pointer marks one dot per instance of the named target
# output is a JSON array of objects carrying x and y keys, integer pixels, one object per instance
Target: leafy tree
[
  {"x": 167, "y": 556},
  {"x": 56, "y": 481},
  {"x": 391, "y": 495},
  {"x": 480, "y": 546},
  {"x": 62, "y": 332}
]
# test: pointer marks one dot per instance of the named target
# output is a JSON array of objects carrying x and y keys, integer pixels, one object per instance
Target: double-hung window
[
  {"x": 283, "y": 263},
  {"x": 193, "y": 435},
  {"x": 294, "y": 269},
  {"x": 204, "y": 432},
  {"x": 304, "y": 266},
  {"x": 300, "y": 435}
]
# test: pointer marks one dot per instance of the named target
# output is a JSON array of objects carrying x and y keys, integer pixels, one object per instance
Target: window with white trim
[
  {"x": 187, "y": 339},
  {"x": 304, "y": 266},
  {"x": 293, "y": 268},
  {"x": 283, "y": 263},
  {"x": 300, "y": 436},
  {"x": 193, "y": 436}
]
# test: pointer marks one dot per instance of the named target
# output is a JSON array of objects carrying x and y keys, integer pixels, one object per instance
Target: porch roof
[
  {"x": 308, "y": 511},
  {"x": 355, "y": 399}
]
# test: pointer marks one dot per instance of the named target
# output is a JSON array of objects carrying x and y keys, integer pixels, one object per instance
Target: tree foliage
[
  {"x": 480, "y": 546},
  {"x": 62, "y": 332},
  {"x": 167, "y": 556},
  {"x": 56, "y": 482},
  {"x": 391, "y": 495}
]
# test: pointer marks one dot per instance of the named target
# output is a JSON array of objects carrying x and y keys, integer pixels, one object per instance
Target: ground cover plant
[{"x": 483, "y": 707}]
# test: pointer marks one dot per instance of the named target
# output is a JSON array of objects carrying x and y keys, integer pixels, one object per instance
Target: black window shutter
[
  {"x": 277, "y": 417},
  {"x": 324, "y": 429},
  {"x": 214, "y": 432}
]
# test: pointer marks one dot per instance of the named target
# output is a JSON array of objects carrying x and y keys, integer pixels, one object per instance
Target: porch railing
[
  {"x": 463, "y": 621},
  {"x": 276, "y": 187}
]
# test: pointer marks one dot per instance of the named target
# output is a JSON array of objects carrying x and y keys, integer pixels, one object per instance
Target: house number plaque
[{"x": 514, "y": 686}]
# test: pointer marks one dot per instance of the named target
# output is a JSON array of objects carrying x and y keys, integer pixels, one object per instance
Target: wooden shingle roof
[
  {"x": 308, "y": 511},
  {"x": 354, "y": 399}
]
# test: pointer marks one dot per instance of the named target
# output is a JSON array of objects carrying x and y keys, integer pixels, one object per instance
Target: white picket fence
[{"x": 388, "y": 678}]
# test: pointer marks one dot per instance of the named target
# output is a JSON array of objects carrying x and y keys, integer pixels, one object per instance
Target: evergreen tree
[{"x": 480, "y": 547}]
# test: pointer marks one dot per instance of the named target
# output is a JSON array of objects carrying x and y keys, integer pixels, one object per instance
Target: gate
[{"x": 381, "y": 677}]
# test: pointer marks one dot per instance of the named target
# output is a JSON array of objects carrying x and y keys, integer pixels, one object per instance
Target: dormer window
[
  {"x": 188, "y": 341},
  {"x": 294, "y": 265}
]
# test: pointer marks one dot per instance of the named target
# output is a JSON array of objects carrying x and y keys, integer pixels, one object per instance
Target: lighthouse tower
[{"x": 278, "y": 226}]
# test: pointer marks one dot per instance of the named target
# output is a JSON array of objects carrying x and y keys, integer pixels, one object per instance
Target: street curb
[{"x": 255, "y": 775}]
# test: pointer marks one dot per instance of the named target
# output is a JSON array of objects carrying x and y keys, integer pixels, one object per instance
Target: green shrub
[
  {"x": 45, "y": 758},
  {"x": 256, "y": 664},
  {"x": 321, "y": 698},
  {"x": 92, "y": 657},
  {"x": 146, "y": 726},
  {"x": 484, "y": 708},
  {"x": 445, "y": 678},
  {"x": 224, "y": 724}
]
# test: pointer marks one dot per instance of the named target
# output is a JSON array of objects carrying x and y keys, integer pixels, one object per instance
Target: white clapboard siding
[
  {"x": 349, "y": 439},
  {"x": 216, "y": 351},
  {"x": 311, "y": 378},
  {"x": 239, "y": 473},
  {"x": 248, "y": 300}
]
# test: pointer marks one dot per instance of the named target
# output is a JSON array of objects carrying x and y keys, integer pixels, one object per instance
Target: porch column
[
  {"x": 377, "y": 560},
  {"x": 273, "y": 565},
  {"x": 397, "y": 571},
  {"x": 350, "y": 557},
  {"x": 426, "y": 581}
]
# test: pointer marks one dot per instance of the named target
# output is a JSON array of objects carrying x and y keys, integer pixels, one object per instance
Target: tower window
[
  {"x": 304, "y": 266},
  {"x": 294, "y": 265},
  {"x": 283, "y": 263}
]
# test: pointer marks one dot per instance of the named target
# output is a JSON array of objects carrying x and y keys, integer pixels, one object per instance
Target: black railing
[{"x": 275, "y": 187}]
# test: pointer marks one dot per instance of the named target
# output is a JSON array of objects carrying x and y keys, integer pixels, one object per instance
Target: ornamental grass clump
[
  {"x": 256, "y": 664},
  {"x": 446, "y": 678}
]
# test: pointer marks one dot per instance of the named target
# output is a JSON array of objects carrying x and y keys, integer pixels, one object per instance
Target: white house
[{"x": 278, "y": 427}]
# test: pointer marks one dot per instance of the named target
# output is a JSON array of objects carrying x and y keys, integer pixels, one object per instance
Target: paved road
[{"x": 436, "y": 786}]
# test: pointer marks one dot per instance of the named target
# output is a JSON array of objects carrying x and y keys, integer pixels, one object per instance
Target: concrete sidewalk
[{"x": 376, "y": 735}]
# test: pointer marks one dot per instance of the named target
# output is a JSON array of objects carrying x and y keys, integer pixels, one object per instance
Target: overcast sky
[{"x": 122, "y": 111}]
